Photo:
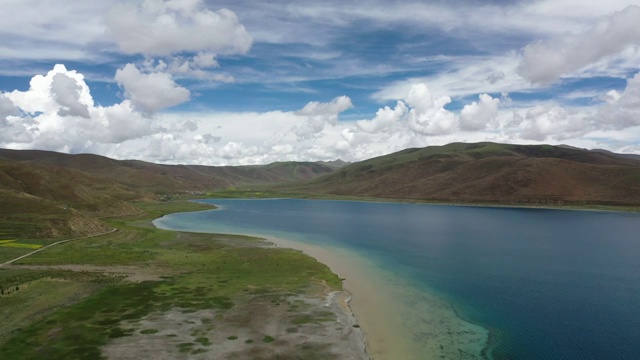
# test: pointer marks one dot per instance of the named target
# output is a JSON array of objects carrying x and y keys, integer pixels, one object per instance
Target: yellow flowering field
[{"x": 14, "y": 244}]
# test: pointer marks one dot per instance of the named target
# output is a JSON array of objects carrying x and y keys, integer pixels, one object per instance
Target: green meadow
[{"x": 72, "y": 313}]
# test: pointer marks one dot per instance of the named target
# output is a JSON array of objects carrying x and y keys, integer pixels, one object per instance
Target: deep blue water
[{"x": 549, "y": 284}]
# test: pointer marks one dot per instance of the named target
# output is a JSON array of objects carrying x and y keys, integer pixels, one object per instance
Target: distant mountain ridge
[
  {"x": 159, "y": 178},
  {"x": 626, "y": 156},
  {"x": 49, "y": 194},
  {"x": 489, "y": 173}
]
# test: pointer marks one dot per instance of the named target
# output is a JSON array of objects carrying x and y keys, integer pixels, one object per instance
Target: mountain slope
[
  {"x": 48, "y": 194},
  {"x": 45, "y": 201},
  {"x": 489, "y": 172},
  {"x": 171, "y": 178}
]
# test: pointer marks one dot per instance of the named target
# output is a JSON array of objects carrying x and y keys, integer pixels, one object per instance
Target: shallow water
[{"x": 548, "y": 283}]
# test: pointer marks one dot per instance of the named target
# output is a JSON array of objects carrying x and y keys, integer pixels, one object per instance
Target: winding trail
[{"x": 54, "y": 244}]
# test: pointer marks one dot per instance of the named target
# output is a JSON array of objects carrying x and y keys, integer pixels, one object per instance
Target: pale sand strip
[
  {"x": 398, "y": 322},
  {"x": 372, "y": 306}
]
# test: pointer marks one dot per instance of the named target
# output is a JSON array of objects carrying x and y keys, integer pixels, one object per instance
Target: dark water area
[{"x": 549, "y": 284}]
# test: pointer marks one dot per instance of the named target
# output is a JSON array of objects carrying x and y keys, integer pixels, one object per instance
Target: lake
[{"x": 545, "y": 284}]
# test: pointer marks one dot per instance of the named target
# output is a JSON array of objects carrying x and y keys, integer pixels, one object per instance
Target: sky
[{"x": 253, "y": 82}]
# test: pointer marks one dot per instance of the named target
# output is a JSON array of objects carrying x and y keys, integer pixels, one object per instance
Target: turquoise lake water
[{"x": 547, "y": 284}]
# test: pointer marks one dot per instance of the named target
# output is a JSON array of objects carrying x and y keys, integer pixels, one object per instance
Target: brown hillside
[
  {"x": 27, "y": 216},
  {"x": 171, "y": 178},
  {"x": 48, "y": 194},
  {"x": 488, "y": 172},
  {"x": 46, "y": 201}
]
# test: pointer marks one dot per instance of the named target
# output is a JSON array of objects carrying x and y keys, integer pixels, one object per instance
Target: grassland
[{"x": 74, "y": 313}]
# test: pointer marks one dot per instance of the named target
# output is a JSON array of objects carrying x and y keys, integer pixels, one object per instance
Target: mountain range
[{"x": 49, "y": 194}]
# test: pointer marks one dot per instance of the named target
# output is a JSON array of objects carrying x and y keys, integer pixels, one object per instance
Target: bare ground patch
[
  {"x": 132, "y": 273},
  {"x": 260, "y": 327}
]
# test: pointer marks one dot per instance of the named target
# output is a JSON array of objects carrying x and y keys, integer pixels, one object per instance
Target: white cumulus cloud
[
  {"x": 60, "y": 91},
  {"x": 57, "y": 112},
  {"x": 425, "y": 114},
  {"x": 385, "y": 118},
  {"x": 6, "y": 107},
  {"x": 478, "y": 115},
  {"x": 317, "y": 115},
  {"x": 613, "y": 122},
  {"x": 67, "y": 92},
  {"x": 542, "y": 122},
  {"x": 547, "y": 60},
  {"x": 622, "y": 109},
  {"x": 235, "y": 150},
  {"x": 428, "y": 115},
  {"x": 165, "y": 27},
  {"x": 150, "y": 92}
]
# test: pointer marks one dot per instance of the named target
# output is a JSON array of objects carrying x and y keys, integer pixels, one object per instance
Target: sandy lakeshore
[
  {"x": 367, "y": 299},
  {"x": 398, "y": 323},
  {"x": 400, "y": 319}
]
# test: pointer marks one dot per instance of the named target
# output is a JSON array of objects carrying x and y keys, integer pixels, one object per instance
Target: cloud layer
[
  {"x": 353, "y": 80},
  {"x": 58, "y": 113}
]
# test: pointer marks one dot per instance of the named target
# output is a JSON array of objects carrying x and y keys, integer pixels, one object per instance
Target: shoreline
[
  {"x": 379, "y": 344},
  {"x": 397, "y": 320},
  {"x": 569, "y": 207}
]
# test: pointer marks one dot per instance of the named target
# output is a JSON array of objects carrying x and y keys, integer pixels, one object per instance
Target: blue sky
[{"x": 245, "y": 82}]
